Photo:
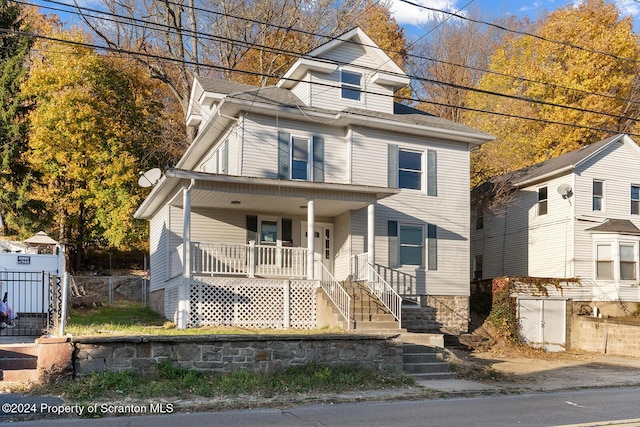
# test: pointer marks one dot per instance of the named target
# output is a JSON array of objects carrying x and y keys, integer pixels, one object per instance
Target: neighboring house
[
  {"x": 323, "y": 160},
  {"x": 574, "y": 216}
]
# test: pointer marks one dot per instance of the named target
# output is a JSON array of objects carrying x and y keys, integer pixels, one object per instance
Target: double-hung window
[
  {"x": 598, "y": 195},
  {"x": 542, "y": 201},
  {"x": 351, "y": 85},
  {"x": 604, "y": 261},
  {"x": 299, "y": 158},
  {"x": 410, "y": 169},
  {"x": 635, "y": 200},
  {"x": 411, "y": 244},
  {"x": 627, "y": 261}
]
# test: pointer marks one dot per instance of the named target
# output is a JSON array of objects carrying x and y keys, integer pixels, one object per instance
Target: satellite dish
[
  {"x": 149, "y": 178},
  {"x": 565, "y": 190}
]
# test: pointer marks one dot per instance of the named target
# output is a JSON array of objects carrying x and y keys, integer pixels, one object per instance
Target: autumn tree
[
  {"x": 451, "y": 59},
  {"x": 246, "y": 41},
  {"x": 15, "y": 208},
  {"x": 572, "y": 82},
  {"x": 92, "y": 120}
]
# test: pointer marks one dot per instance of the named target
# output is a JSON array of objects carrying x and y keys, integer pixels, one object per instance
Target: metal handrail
[
  {"x": 364, "y": 270},
  {"x": 336, "y": 293}
]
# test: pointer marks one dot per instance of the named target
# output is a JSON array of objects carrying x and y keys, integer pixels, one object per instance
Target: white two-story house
[
  {"x": 287, "y": 191},
  {"x": 574, "y": 216}
]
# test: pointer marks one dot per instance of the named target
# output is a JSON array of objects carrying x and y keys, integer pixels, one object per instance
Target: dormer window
[{"x": 351, "y": 84}]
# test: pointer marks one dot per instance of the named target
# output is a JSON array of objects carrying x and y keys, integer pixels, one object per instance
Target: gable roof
[
  {"x": 558, "y": 165},
  {"x": 388, "y": 72}
]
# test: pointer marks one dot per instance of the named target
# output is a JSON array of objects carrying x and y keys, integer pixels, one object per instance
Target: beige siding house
[
  {"x": 289, "y": 191},
  {"x": 577, "y": 215}
]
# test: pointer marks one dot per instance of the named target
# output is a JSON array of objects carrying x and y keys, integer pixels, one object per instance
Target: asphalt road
[{"x": 594, "y": 407}]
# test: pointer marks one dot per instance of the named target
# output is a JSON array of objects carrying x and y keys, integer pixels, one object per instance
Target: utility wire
[
  {"x": 174, "y": 60},
  {"x": 417, "y": 78},
  {"x": 145, "y": 24}
]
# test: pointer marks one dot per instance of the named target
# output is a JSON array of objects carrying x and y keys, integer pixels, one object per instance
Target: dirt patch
[{"x": 536, "y": 370}]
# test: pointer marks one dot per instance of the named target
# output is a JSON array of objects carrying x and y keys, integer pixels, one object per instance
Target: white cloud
[{"x": 407, "y": 14}]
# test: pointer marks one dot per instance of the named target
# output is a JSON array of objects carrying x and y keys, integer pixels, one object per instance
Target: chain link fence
[{"x": 91, "y": 291}]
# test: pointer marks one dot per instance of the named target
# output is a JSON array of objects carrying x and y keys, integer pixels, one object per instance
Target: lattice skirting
[
  {"x": 171, "y": 298},
  {"x": 253, "y": 303}
]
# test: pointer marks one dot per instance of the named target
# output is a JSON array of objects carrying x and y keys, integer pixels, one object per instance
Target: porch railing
[
  {"x": 363, "y": 270},
  {"x": 337, "y": 294},
  {"x": 248, "y": 260}
]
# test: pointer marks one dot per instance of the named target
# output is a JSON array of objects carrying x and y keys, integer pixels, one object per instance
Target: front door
[{"x": 322, "y": 246}]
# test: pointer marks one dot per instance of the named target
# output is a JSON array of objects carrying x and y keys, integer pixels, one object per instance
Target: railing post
[{"x": 252, "y": 258}]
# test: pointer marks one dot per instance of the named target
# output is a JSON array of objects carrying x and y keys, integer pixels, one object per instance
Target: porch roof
[{"x": 259, "y": 194}]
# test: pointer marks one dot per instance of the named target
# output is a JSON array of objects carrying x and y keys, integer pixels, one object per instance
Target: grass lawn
[{"x": 134, "y": 319}]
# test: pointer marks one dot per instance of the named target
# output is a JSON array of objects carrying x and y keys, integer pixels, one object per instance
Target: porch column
[
  {"x": 183, "y": 292},
  {"x": 371, "y": 233},
  {"x": 310, "y": 238}
]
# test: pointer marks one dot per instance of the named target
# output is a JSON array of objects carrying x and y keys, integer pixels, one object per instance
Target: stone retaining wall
[{"x": 220, "y": 353}]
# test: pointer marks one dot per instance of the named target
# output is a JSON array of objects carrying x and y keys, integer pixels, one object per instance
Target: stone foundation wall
[
  {"x": 226, "y": 353},
  {"x": 437, "y": 313}
]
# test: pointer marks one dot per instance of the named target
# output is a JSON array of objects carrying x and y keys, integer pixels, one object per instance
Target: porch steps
[
  {"x": 368, "y": 313},
  {"x": 18, "y": 362},
  {"x": 424, "y": 362}
]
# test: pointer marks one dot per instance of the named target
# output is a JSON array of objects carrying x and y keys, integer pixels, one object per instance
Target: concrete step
[
  {"x": 18, "y": 362},
  {"x": 425, "y": 368},
  {"x": 424, "y": 361},
  {"x": 373, "y": 325},
  {"x": 421, "y": 357},
  {"x": 434, "y": 376},
  {"x": 373, "y": 317},
  {"x": 19, "y": 375}
]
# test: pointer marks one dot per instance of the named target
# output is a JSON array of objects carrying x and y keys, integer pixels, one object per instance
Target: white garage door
[{"x": 543, "y": 322}]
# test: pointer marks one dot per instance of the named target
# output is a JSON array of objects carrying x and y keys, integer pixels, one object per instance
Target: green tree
[
  {"x": 16, "y": 209},
  {"x": 597, "y": 79},
  {"x": 92, "y": 119}
]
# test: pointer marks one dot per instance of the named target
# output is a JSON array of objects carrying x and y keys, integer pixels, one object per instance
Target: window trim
[
  {"x": 634, "y": 260},
  {"x": 401, "y": 245},
  {"x": 351, "y": 87},
  {"x": 635, "y": 202},
  {"x": 309, "y": 159},
  {"x": 615, "y": 241},
  {"x": 543, "y": 202},
  {"x": 599, "y": 197},
  {"x": 420, "y": 172}
]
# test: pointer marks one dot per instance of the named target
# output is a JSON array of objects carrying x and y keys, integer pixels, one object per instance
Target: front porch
[{"x": 214, "y": 228}]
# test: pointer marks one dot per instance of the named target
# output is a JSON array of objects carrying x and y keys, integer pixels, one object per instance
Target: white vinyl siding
[
  {"x": 374, "y": 98},
  {"x": 158, "y": 246},
  {"x": 342, "y": 247},
  {"x": 450, "y": 215},
  {"x": 260, "y": 148},
  {"x": 617, "y": 166}
]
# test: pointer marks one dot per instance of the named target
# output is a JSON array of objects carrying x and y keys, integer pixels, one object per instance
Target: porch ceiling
[
  {"x": 272, "y": 195},
  {"x": 270, "y": 203}
]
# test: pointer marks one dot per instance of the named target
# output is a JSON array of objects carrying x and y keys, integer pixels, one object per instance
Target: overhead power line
[
  {"x": 145, "y": 24},
  {"x": 218, "y": 67},
  {"x": 519, "y": 32}
]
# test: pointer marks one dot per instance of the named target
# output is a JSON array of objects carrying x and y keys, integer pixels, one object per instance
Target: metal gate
[
  {"x": 34, "y": 297},
  {"x": 543, "y": 322}
]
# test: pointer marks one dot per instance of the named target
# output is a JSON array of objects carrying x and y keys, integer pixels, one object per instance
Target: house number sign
[{"x": 24, "y": 259}]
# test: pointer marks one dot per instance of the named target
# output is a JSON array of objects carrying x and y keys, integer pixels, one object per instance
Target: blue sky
[
  {"x": 411, "y": 17},
  {"x": 416, "y": 19}
]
